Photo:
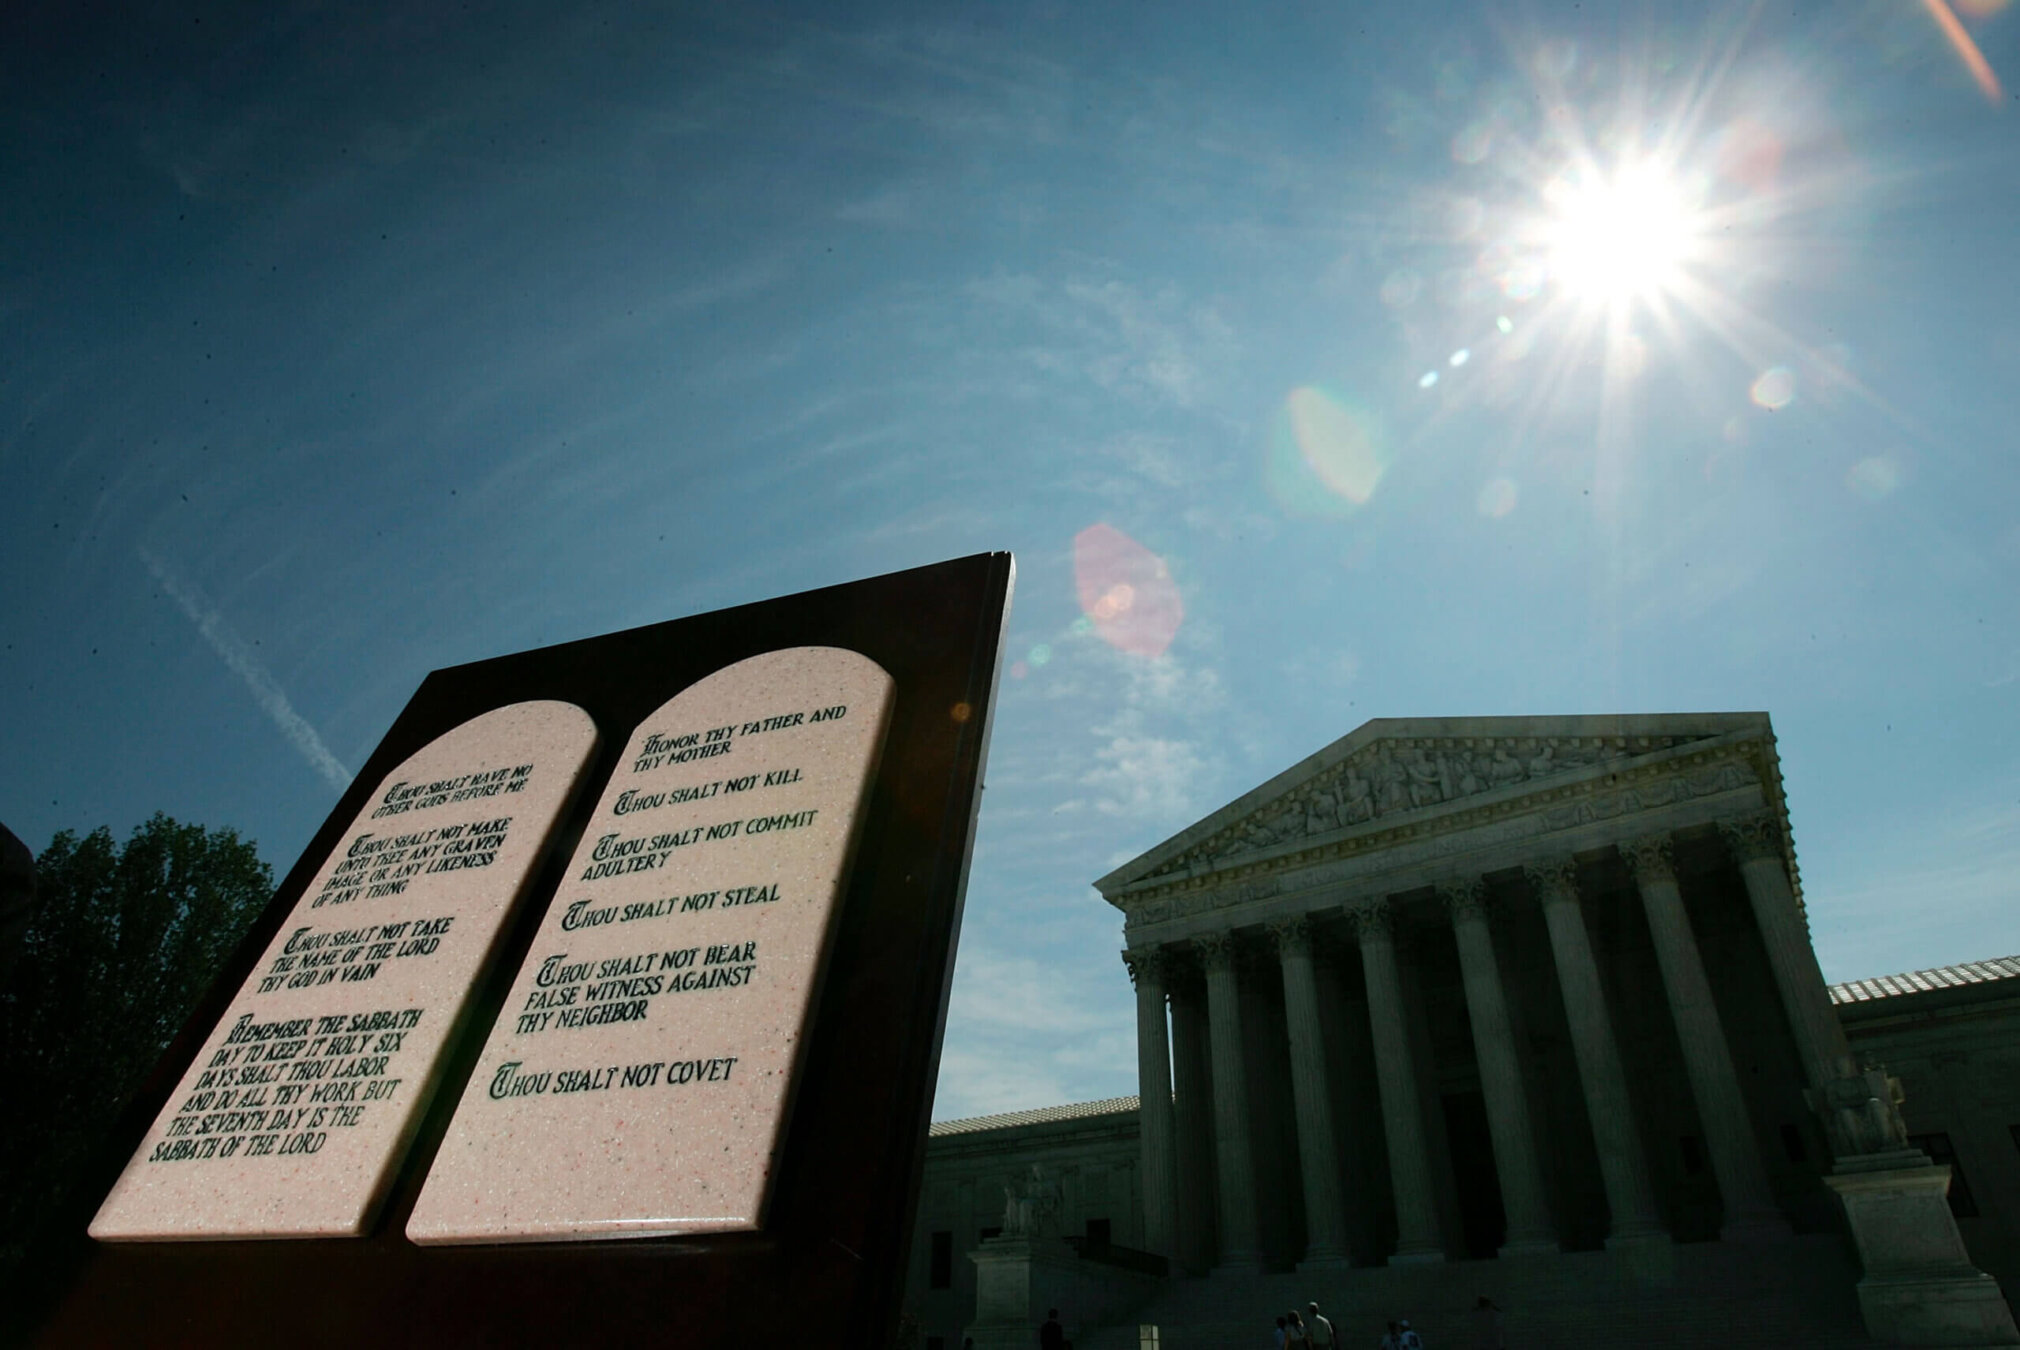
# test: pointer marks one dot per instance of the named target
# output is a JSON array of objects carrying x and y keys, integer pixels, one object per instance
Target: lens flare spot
[
  {"x": 1981, "y": 9},
  {"x": 1472, "y": 143},
  {"x": 1083, "y": 624},
  {"x": 1556, "y": 60},
  {"x": 1749, "y": 153},
  {"x": 1874, "y": 477},
  {"x": 1497, "y": 497},
  {"x": 1522, "y": 280},
  {"x": 1427, "y": 379},
  {"x": 1019, "y": 669},
  {"x": 1461, "y": 357},
  {"x": 1114, "y": 602},
  {"x": 1327, "y": 453},
  {"x": 1464, "y": 216},
  {"x": 1505, "y": 324},
  {"x": 1775, "y": 389},
  {"x": 1126, "y": 590},
  {"x": 1337, "y": 443},
  {"x": 1967, "y": 50},
  {"x": 1400, "y": 288},
  {"x": 1734, "y": 430},
  {"x": 1040, "y": 654}
]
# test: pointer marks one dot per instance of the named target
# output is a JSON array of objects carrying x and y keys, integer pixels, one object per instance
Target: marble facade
[
  {"x": 1514, "y": 989},
  {"x": 1544, "y": 862}
]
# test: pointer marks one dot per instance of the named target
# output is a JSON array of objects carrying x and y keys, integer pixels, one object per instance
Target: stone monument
[
  {"x": 647, "y": 936},
  {"x": 294, "y": 1116},
  {"x": 637, "y": 1080},
  {"x": 1030, "y": 1267},
  {"x": 1919, "y": 1286}
]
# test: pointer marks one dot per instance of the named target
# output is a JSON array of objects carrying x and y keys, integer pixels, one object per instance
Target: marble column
[
  {"x": 1240, "y": 1245},
  {"x": 1629, "y": 1197},
  {"x": 1417, "y": 1237},
  {"x": 1508, "y": 1125},
  {"x": 1318, "y": 1146},
  {"x": 1756, "y": 844},
  {"x": 1156, "y": 1132},
  {"x": 1192, "y": 1104},
  {"x": 1750, "y": 1209}
]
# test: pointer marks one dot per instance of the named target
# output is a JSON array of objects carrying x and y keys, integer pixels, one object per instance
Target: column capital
[
  {"x": 1464, "y": 900},
  {"x": 1216, "y": 950},
  {"x": 1650, "y": 858},
  {"x": 1293, "y": 936},
  {"x": 1146, "y": 963},
  {"x": 1753, "y": 836},
  {"x": 1372, "y": 919},
  {"x": 1555, "y": 880}
]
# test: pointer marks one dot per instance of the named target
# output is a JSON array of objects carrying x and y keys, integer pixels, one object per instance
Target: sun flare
[{"x": 1614, "y": 237}]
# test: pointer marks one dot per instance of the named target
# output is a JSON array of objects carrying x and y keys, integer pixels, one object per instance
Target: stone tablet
[
  {"x": 293, "y": 1118},
  {"x": 638, "y": 1078}
]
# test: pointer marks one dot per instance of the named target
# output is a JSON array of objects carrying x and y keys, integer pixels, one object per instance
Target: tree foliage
[{"x": 124, "y": 940}]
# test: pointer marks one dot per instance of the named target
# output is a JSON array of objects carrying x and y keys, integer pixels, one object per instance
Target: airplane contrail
[{"x": 231, "y": 648}]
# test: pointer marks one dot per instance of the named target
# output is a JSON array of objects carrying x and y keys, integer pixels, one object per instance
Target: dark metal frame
[{"x": 829, "y": 1265}]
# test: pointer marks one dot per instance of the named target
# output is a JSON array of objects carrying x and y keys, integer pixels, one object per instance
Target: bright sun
[{"x": 1611, "y": 238}]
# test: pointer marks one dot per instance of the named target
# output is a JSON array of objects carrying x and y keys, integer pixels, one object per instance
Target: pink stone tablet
[
  {"x": 292, "y": 1120},
  {"x": 638, "y": 1077}
]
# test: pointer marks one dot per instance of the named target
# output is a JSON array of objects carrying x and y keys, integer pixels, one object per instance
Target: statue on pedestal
[
  {"x": 1031, "y": 1206},
  {"x": 1861, "y": 1110}
]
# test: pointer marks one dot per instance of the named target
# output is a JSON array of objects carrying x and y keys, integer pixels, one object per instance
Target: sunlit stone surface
[
  {"x": 292, "y": 1119},
  {"x": 638, "y": 1077}
]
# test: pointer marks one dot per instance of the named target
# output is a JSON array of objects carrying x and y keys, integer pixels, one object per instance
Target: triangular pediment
[{"x": 1391, "y": 770}]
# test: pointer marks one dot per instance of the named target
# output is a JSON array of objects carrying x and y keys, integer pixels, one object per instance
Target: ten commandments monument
[{"x": 647, "y": 936}]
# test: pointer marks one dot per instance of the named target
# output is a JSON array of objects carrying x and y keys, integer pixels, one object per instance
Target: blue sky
[{"x": 338, "y": 345}]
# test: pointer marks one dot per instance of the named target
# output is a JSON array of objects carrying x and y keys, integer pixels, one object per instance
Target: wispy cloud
[
  {"x": 1155, "y": 345},
  {"x": 1017, "y": 995},
  {"x": 901, "y": 206},
  {"x": 233, "y": 651},
  {"x": 1149, "y": 777},
  {"x": 1099, "y": 749},
  {"x": 1026, "y": 1031},
  {"x": 1150, "y": 764}
]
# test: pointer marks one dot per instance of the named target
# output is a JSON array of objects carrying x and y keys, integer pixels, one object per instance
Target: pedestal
[
  {"x": 1017, "y": 1278},
  {"x": 1012, "y": 1276},
  {"x": 1919, "y": 1287}
]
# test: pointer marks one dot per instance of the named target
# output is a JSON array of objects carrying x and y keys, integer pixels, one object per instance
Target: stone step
[
  {"x": 1583, "y": 1334},
  {"x": 1709, "y": 1296}
]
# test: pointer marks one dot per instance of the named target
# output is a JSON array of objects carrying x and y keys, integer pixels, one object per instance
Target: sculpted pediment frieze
[{"x": 1391, "y": 779}]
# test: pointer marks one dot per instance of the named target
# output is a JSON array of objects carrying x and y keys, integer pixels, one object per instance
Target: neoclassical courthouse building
[{"x": 1515, "y": 1007}]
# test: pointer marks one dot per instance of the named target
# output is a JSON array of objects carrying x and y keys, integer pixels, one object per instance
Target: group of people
[
  {"x": 1298, "y": 1332},
  {"x": 1312, "y": 1331}
]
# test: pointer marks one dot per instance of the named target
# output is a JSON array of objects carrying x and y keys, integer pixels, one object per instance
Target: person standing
[
  {"x": 1282, "y": 1341},
  {"x": 1296, "y": 1337},
  {"x": 1320, "y": 1329},
  {"x": 1051, "y": 1336},
  {"x": 1394, "y": 1340},
  {"x": 1411, "y": 1340},
  {"x": 1487, "y": 1326}
]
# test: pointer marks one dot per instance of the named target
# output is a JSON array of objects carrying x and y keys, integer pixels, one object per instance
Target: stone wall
[
  {"x": 1957, "y": 1053},
  {"x": 1092, "y": 1156}
]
